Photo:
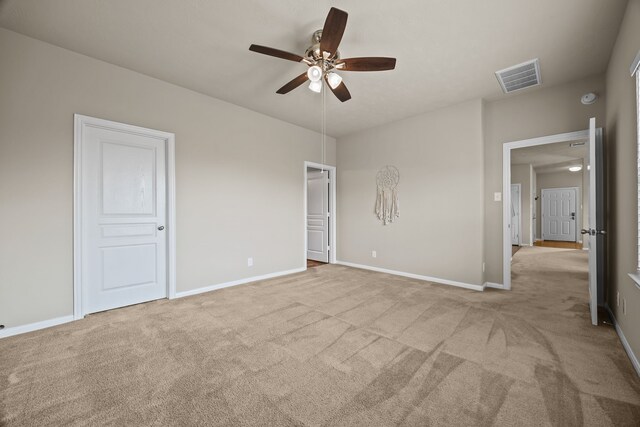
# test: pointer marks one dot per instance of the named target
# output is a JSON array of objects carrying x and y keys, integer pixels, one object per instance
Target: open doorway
[
  {"x": 319, "y": 214},
  {"x": 555, "y": 189},
  {"x": 560, "y": 217}
]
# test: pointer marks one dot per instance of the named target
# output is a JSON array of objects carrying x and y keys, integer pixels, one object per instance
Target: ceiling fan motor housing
[{"x": 314, "y": 54}]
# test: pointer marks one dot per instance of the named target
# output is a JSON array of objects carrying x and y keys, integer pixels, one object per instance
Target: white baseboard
[
  {"x": 237, "y": 282},
  {"x": 23, "y": 329},
  {"x": 493, "y": 285},
  {"x": 625, "y": 343},
  {"x": 414, "y": 276}
]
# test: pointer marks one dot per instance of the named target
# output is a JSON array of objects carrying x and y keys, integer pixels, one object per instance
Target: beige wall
[
  {"x": 560, "y": 180},
  {"x": 521, "y": 174},
  {"x": 621, "y": 154},
  {"x": 546, "y": 111},
  {"x": 239, "y": 175},
  {"x": 439, "y": 232}
]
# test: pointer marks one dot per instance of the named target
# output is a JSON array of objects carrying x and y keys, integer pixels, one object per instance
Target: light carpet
[{"x": 334, "y": 346}]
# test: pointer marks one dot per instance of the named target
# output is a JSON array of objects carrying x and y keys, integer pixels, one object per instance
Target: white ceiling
[
  {"x": 447, "y": 50},
  {"x": 551, "y": 157}
]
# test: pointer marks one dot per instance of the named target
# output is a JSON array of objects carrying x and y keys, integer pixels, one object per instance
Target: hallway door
[
  {"x": 559, "y": 214},
  {"x": 318, "y": 216}
]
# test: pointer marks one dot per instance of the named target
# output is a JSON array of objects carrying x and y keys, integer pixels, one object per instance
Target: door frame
[
  {"x": 578, "y": 210},
  {"x": 506, "y": 189},
  {"x": 80, "y": 122},
  {"x": 332, "y": 211},
  {"x": 519, "y": 185}
]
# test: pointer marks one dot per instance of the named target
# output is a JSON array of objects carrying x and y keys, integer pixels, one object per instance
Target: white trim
[
  {"x": 238, "y": 282},
  {"x": 172, "y": 275},
  {"x": 625, "y": 343},
  {"x": 532, "y": 204},
  {"x": 30, "y": 327},
  {"x": 636, "y": 279},
  {"x": 493, "y": 285},
  {"x": 519, "y": 185},
  {"x": 635, "y": 64},
  {"x": 80, "y": 122},
  {"x": 506, "y": 189},
  {"x": 333, "y": 256},
  {"x": 414, "y": 276}
]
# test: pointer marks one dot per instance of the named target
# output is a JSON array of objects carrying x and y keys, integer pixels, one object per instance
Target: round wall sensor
[{"x": 588, "y": 98}]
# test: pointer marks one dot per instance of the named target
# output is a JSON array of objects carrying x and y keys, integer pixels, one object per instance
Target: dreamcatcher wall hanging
[{"x": 387, "y": 208}]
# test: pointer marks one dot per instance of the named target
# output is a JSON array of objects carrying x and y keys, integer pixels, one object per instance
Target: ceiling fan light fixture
[
  {"x": 316, "y": 86},
  {"x": 334, "y": 80},
  {"x": 314, "y": 73}
]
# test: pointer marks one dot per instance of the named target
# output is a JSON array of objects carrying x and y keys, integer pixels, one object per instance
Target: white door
[
  {"x": 318, "y": 216},
  {"x": 515, "y": 214},
  {"x": 595, "y": 230},
  {"x": 559, "y": 214},
  {"x": 123, "y": 213}
]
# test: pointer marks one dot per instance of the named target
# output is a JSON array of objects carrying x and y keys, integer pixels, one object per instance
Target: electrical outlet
[
  {"x": 249, "y": 262},
  {"x": 374, "y": 254},
  {"x": 618, "y": 299},
  {"x": 497, "y": 197},
  {"x": 624, "y": 306}
]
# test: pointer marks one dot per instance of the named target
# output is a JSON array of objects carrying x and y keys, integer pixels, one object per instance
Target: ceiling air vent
[{"x": 519, "y": 76}]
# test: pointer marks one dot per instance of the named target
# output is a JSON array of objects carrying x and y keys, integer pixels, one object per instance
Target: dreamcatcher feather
[{"x": 387, "y": 208}]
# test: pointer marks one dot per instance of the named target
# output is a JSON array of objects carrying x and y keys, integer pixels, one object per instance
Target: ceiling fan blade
[
  {"x": 333, "y": 30},
  {"x": 366, "y": 64},
  {"x": 293, "y": 84},
  {"x": 275, "y": 52},
  {"x": 341, "y": 92}
]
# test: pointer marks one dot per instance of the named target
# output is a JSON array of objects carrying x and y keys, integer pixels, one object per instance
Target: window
[
  {"x": 638, "y": 135},
  {"x": 634, "y": 70}
]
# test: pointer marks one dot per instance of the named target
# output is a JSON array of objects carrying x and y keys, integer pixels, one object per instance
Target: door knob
[
  {"x": 583, "y": 231},
  {"x": 161, "y": 228},
  {"x": 602, "y": 232}
]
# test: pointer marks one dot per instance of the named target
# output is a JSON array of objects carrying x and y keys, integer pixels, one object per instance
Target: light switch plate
[{"x": 497, "y": 197}]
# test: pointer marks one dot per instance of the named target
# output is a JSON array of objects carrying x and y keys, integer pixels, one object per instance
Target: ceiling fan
[{"x": 324, "y": 60}]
